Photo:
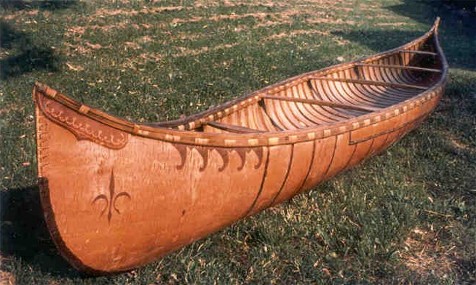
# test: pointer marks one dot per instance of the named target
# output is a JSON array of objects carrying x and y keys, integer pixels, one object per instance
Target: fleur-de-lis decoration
[{"x": 111, "y": 200}]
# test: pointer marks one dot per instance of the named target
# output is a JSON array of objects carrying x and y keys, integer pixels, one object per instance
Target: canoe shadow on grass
[
  {"x": 458, "y": 51},
  {"x": 457, "y": 30},
  {"x": 26, "y": 54},
  {"x": 24, "y": 234},
  {"x": 457, "y": 19},
  {"x": 373, "y": 38},
  {"x": 45, "y": 4}
]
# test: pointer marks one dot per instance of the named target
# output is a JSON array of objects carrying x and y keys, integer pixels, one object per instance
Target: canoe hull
[{"x": 114, "y": 201}]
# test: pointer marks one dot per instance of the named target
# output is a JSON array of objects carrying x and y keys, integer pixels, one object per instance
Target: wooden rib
[
  {"x": 374, "y": 98},
  {"x": 233, "y": 128},
  {"x": 322, "y": 103},
  {"x": 334, "y": 94},
  {"x": 255, "y": 118},
  {"x": 265, "y": 111},
  {"x": 302, "y": 107},
  {"x": 399, "y": 67},
  {"x": 419, "y": 52},
  {"x": 303, "y": 121},
  {"x": 307, "y": 93},
  {"x": 385, "y": 96},
  {"x": 371, "y": 82},
  {"x": 320, "y": 92},
  {"x": 373, "y": 93},
  {"x": 282, "y": 112},
  {"x": 394, "y": 75},
  {"x": 348, "y": 95},
  {"x": 261, "y": 113}
]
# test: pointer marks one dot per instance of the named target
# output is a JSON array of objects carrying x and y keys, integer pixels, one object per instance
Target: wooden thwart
[
  {"x": 419, "y": 52},
  {"x": 399, "y": 67},
  {"x": 322, "y": 103},
  {"x": 371, "y": 82},
  {"x": 233, "y": 128}
]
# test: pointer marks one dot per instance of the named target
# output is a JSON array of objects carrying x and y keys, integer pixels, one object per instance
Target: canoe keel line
[{"x": 117, "y": 195}]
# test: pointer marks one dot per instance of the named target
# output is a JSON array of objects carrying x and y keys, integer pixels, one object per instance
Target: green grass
[{"x": 406, "y": 216}]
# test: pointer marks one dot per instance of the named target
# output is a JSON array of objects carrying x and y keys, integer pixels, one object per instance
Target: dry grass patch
[
  {"x": 426, "y": 255},
  {"x": 22, "y": 13},
  {"x": 195, "y": 52},
  {"x": 270, "y": 23},
  {"x": 397, "y": 24},
  {"x": 132, "y": 45},
  {"x": 80, "y": 48},
  {"x": 330, "y": 21},
  {"x": 226, "y": 3},
  {"x": 75, "y": 31},
  {"x": 74, "y": 67},
  {"x": 382, "y": 16},
  {"x": 295, "y": 33},
  {"x": 7, "y": 278},
  {"x": 259, "y": 15},
  {"x": 143, "y": 58},
  {"x": 283, "y": 35},
  {"x": 458, "y": 144},
  {"x": 78, "y": 31},
  {"x": 128, "y": 12}
]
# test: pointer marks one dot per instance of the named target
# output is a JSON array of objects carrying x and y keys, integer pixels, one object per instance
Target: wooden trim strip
[
  {"x": 418, "y": 52},
  {"x": 399, "y": 67},
  {"x": 322, "y": 103},
  {"x": 372, "y": 82},
  {"x": 233, "y": 128},
  {"x": 385, "y": 132}
]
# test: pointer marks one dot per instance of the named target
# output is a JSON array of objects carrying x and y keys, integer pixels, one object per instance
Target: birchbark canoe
[{"x": 117, "y": 194}]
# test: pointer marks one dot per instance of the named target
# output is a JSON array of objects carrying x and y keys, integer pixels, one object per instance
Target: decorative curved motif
[
  {"x": 111, "y": 200},
  {"x": 83, "y": 127},
  {"x": 223, "y": 152}
]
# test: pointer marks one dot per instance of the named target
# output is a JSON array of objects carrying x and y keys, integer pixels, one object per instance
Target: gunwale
[{"x": 161, "y": 130}]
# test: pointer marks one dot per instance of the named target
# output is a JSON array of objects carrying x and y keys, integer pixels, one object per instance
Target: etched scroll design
[
  {"x": 42, "y": 144},
  {"x": 111, "y": 199},
  {"x": 84, "y": 128},
  {"x": 223, "y": 152}
]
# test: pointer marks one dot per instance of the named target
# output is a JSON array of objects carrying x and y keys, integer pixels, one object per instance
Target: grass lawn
[{"x": 406, "y": 216}]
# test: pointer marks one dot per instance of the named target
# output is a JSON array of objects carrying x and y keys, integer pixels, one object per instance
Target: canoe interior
[{"x": 327, "y": 96}]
